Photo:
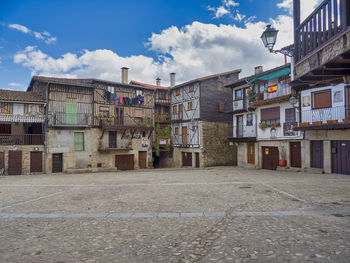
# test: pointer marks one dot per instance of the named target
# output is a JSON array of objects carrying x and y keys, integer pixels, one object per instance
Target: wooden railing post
[{"x": 296, "y": 15}]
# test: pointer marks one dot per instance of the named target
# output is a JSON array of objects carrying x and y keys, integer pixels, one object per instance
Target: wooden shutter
[
  {"x": 71, "y": 113},
  {"x": 321, "y": 99},
  {"x": 290, "y": 115},
  {"x": 270, "y": 114},
  {"x": 78, "y": 141}
]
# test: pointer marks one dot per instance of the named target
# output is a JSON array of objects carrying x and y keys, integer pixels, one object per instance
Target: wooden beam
[
  {"x": 330, "y": 73},
  {"x": 337, "y": 66}
]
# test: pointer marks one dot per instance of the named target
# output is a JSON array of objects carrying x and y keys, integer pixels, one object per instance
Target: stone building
[
  {"x": 322, "y": 80},
  {"x": 21, "y": 132},
  {"x": 95, "y": 125},
  {"x": 199, "y": 121},
  {"x": 264, "y": 119}
]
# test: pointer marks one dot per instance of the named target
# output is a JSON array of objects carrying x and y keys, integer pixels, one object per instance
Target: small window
[
  {"x": 238, "y": 94},
  {"x": 143, "y": 134},
  {"x": 249, "y": 119},
  {"x": 191, "y": 88},
  {"x": 176, "y": 131},
  {"x": 78, "y": 141},
  {"x": 18, "y": 109},
  {"x": 177, "y": 92},
  {"x": 321, "y": 99},
  {"x": 175, "y": 109},
  {"x": 290, "y": 115},
  {"x": 138, "y": 113},
  {"x": 221, "y": 107},
  {"x": 189, "y": 105}
]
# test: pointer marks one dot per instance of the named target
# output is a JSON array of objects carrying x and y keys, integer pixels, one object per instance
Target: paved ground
[{"x": 213, "y": 215}]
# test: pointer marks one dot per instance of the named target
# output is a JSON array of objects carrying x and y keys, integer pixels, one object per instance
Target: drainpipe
[{"x": 45, "y": 126}]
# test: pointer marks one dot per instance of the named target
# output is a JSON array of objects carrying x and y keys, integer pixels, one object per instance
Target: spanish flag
[{"x": 272, "y": 88}]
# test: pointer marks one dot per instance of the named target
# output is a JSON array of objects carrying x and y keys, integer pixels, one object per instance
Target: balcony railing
[
  {"x": 282, "y": 90},
  {"x": 125, "y": 121},
  {"x": 327, "y": 114},
  {"x": 329, "y": 20},
  {"x": 21, "y": 139},
  {"x": 70, "y": 119},
  {"x": 161, "y": 117},
  {"x": 238, "y": 105},
  {"x": 241, "y": 131}
]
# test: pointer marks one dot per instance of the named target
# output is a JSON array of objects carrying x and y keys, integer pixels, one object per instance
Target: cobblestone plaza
[{"x": 220, "y": 214}]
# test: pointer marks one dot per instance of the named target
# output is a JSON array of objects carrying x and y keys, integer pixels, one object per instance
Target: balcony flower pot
[
  {"x": 332, "y": 121},
  {"x": 346, "y": 120},
  {"x": 317, "y": 123},
  {"x": 263, "y": 126},
  {"x": 304, "y": 124},
  {"x": 282, "y": 163}
]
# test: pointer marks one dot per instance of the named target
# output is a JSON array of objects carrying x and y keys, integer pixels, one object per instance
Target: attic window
[{"x": 191, "y": 88}]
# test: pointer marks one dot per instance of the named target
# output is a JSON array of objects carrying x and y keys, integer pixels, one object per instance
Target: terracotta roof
[
  {"x": 148, "y": 85},
  {"x": 14, "y": 95}
]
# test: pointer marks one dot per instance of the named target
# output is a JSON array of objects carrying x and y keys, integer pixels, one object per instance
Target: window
[
  {"x": 18, "y": 109},
  {"x": 238, "y": 94},
  {"x": 139, "y": 93},
  {"x": 112, "y": 139},
  {"x": 290, "y": 115},
  {"x": 321, "y": 99},
  {"x": 162, "y": 95},
  {"x": 250, "y": 119},
  {"x": 189, "y": 105},
  {"x": 175, "y": 109},
  {"x": 177, "y": 92},
  {"x": 191, "y": 88},
  {"x": 176, "y": 131},
  {"x": 78, "y": 141},
  {"x": 138, "y": 113},
  {"x": 270, "y": 115}
]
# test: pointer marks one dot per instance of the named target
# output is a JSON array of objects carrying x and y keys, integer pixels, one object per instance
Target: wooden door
[
  {"x": 341, "y": 157},
  {"x": 295, "y": 154},
  {"x": 184, "y": 135},
  {"x": 36, "y": 162},
  {"x": 142, "y": 159},
  {"x": 270, "y": 158},
  {"x": 112, "y": 139},
  {"x": 2, "y": 161},
  {"x": 57, "y": 162},
  {"x": 348, "y": 102},
  {"x": 197, "y": 160},
  {"x": 187, "y": 159},
  {"x": 124, "y": 162},
  {"x": 317, "y": 154},
  {"x": 15, "y": 163},
  {"x": 119, "y": 116},
  {"x": 239, "y": 126},
  {"x": 251, "y": 152},
  {"x": 180, "y": 111}
]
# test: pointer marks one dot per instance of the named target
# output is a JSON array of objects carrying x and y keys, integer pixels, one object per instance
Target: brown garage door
[
  {"x": 270, "y": 158},
  {"x": 124, "y": 161},
  {"x": 15, "y": 163},
  {"x": 186, "y": 159},
  {"x": 36, "y": 162},
  {"x": 57, "y": 163},
  {"x": 295, "y": 154},
  {"x": 142, "y": 159},
  {"x": 341, "y": 157}
]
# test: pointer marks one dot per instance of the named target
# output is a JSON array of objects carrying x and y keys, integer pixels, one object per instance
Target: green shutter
[
  {"x": 78, "y": 141},
  {"x": 71, "y": 113}
]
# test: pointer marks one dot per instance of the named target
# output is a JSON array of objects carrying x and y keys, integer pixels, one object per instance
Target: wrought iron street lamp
[{"x": 269, "y": 37}]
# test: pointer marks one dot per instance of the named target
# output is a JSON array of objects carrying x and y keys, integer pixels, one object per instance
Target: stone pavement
[{"x": 223, "y": 214}]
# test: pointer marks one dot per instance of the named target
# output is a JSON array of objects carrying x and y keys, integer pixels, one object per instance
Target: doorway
[
  {"x": 295, "y": 154},
  {"x": 57, "y": 162},
  {"x": 270, "y": 158}
]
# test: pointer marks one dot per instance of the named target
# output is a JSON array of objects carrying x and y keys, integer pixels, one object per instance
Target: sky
[{"x": 94, "y": 39}]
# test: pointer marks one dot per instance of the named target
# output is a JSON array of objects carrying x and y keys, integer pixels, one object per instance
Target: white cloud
[
  {"x": 21, "y": 28},
  {"x": 45, "y": 36},
  {"x": 16, "y": 85},
  {"x": 307, "y": 6},
  {"x": 192, "y": 51}
]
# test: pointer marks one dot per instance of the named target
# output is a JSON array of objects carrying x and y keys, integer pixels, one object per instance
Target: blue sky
[{"x": 95, "y": 38}]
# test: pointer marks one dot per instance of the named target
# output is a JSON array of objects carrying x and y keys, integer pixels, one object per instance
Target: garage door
[
  {"x": 15, "y": 163},
  {"x": 317, "y": 154},
  {"x": 124, "y": 162},
  {"x": 57, "y": 162},
  {"x": 341, "y": 157},
  {"x": 36, "y": 162},
  {"x": 187, "y": 159},
  {"x": 270, "y": 158}
]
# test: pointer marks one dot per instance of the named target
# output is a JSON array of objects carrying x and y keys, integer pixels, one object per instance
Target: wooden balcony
[
  {"x": 322, "y": 44},
  {"x": 241, "y": 133},
  {"x": 69, "y": 119},
  {"x": 21, "y": 139}
]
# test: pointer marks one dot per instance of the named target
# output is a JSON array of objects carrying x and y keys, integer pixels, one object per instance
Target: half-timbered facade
[
  {"x": 199, "y": 121},
  {"x": 322, "y": 80},
  {"x": 21, "y": 132}
]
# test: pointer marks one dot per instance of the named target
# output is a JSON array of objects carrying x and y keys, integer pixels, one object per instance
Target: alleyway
[{"x": 220, "y": 214}]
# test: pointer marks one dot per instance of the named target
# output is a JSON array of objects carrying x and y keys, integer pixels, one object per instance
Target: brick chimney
[
  {"x": 172, "y": 79},
  {"x": 125, "y": 75},
  {"x": 158, "y": 81},
  {"x": 258, "y": 69}
]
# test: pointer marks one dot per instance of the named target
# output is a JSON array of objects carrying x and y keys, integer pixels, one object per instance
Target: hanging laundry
[
  {"x": 115, "y": 98},
  {"x": 120, "y": 100}
]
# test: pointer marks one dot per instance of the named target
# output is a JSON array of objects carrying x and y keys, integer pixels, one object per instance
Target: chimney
[
  {"x": 125, "y": 75},
  {"x": 258, "y": 69},
  {"x": 158, "y": 81},
  {"x": 172, "y": 80}
]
